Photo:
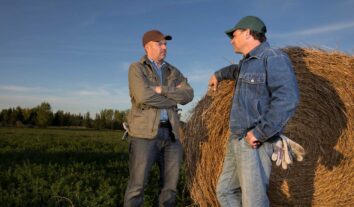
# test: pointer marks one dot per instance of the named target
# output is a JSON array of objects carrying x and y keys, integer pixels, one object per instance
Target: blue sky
[{"x": 75, "y": 54}]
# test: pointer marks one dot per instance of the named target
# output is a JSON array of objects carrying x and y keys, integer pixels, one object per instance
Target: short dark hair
[{"x": 258, "y": 36}]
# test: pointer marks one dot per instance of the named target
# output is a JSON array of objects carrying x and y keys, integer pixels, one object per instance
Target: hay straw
[{"x": 323, "y": 124}]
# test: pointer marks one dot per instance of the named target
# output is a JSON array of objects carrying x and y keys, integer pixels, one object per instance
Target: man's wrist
[{"x": 257, "y": 135}]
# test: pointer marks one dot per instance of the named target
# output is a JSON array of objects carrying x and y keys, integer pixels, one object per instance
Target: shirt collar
[
  {"x": 257, "y": 51},
  {"x": 155, "y": 64}
]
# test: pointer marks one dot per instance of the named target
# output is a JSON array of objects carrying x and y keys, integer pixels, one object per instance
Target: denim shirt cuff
[
  {"x": 258, "y": 135},
  {"x": 218, "y": 75}
]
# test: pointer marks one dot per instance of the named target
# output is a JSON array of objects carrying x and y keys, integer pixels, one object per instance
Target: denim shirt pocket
[
  {"x": 253, "y": 84},
  {"x": 254, "y": 78}
]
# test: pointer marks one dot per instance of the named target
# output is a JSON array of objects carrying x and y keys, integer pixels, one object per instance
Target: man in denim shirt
[{"x": 265, "y": 97}]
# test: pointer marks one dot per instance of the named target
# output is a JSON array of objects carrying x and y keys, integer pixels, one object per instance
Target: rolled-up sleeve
[{"x": 227, "y": 73}]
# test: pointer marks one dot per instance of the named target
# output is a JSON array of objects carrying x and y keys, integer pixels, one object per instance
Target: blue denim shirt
[
  {"x": 266, "y": 92},
  {"x": 163, "y": 114}
]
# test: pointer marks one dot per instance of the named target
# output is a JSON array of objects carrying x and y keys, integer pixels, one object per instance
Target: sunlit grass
[{"x": 56, "y": 167}]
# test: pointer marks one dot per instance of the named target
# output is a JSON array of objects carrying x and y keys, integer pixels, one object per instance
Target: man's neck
[{"x": 250, "y": 47}]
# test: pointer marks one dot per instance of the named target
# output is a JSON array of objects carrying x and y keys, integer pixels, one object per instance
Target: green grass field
[{"x": 68, "y": 167}]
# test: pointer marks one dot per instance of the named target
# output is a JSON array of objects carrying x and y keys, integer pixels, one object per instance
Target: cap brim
[
  {"x": 230, "y": 32},
  {"x": 168, "y": 37}
]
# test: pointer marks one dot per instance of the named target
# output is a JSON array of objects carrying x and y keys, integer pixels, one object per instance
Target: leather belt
[{"x": 165, "y": 124}]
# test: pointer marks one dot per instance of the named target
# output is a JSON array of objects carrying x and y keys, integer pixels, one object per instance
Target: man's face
[
  {"x": 156, "y": 50},
  {"x": 239, "y": 40}
]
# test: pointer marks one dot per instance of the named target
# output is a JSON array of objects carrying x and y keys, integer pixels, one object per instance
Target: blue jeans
[
  {"x": 143, "y": 153},
  {"x": 245, "y": 176}
]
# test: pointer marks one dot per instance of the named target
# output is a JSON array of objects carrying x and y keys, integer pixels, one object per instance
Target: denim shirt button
[{"x": 252, "y": 81}]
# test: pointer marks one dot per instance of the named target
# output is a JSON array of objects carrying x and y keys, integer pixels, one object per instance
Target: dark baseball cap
[
  {"x": 248, "y": 22},
  {"x": 154, "y": 35}
]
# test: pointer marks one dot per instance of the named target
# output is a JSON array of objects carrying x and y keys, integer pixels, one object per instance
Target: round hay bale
[{"x": 322, "y": 124}]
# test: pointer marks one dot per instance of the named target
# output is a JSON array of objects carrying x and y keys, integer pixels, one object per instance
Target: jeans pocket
[{"x": 268, "y": 147}]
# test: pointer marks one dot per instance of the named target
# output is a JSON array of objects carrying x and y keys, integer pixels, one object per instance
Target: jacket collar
[
  {"x": 257, "y": 51},
  {"x": 145, "y": 60}
]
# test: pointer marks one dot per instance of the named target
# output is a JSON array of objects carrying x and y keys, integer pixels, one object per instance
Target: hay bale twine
[{"x": 323, "y": 124}]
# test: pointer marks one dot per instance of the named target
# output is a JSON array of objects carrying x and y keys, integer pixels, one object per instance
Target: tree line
[{"x": 43, "y": 116}]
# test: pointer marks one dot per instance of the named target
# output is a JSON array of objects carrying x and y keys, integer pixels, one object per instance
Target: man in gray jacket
[{"x": 156, "y": 87}]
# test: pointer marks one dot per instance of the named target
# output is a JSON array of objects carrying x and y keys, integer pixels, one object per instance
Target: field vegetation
[{"x": 68, "y": 167}]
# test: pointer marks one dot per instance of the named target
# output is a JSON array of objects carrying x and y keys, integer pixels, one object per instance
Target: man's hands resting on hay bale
[{"x": 285, "y": 150}]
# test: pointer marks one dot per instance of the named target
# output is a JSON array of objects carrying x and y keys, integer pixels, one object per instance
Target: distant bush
[{"x": 42, "y": 116}]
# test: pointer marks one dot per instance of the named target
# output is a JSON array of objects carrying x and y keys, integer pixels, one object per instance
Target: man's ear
[
  {"x": 146, "y": 47},
  {"x": 248, "y": 33}
]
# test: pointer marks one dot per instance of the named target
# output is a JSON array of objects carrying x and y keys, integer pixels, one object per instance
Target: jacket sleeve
[
  {"x": 183, "y": 94},
  {"x": 283, "y": 89},
  {"x": 228, "y": 73},
  {"x": 141, "y": 91}
]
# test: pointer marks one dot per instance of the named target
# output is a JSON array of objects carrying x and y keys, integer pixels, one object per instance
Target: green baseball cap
[{"x": 248, "y": 22}]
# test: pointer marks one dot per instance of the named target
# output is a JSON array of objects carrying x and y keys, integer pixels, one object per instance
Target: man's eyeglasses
[{"x": 162, "y": 42}]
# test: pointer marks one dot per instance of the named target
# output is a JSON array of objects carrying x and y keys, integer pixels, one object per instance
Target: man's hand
[
  {"x": 252, "y": 140},
  {"x": 213, "y": 83},
  {"x": 158, "y": 89}
]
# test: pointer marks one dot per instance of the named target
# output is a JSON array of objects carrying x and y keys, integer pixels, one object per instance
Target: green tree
[
  {"x": 99, "y": 123},
  {"x": 2, "y": 121},
  {"x": 118, "y": 119},
  {"x": 87, "y": 120},
  {"x": 58, "y": 119},
  {"x": 26, "y": 115},
  {"x": 19, "y": 116},
  {"x": 9, "y": 117},
  {"x": 106, "y": 118},
  {"x": 44, "y": 115}
]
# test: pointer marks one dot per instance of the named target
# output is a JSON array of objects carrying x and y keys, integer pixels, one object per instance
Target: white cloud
[
  {"x": 199, "y": 76},
  {"x": 81, "y": 100},
  {"x": 317, "y": 30},
  {"x": 124, "y": 66},
  {"x": 18, "y": 89},
  {"x": 188, "y": 1},
  {"x": 347, "y": 2},
  {"x": 14, "y": 88},
  {"x": 198, "y": 73},
  {"x": 98, "y": 92},
  {"x": 89, "y": 21}
]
